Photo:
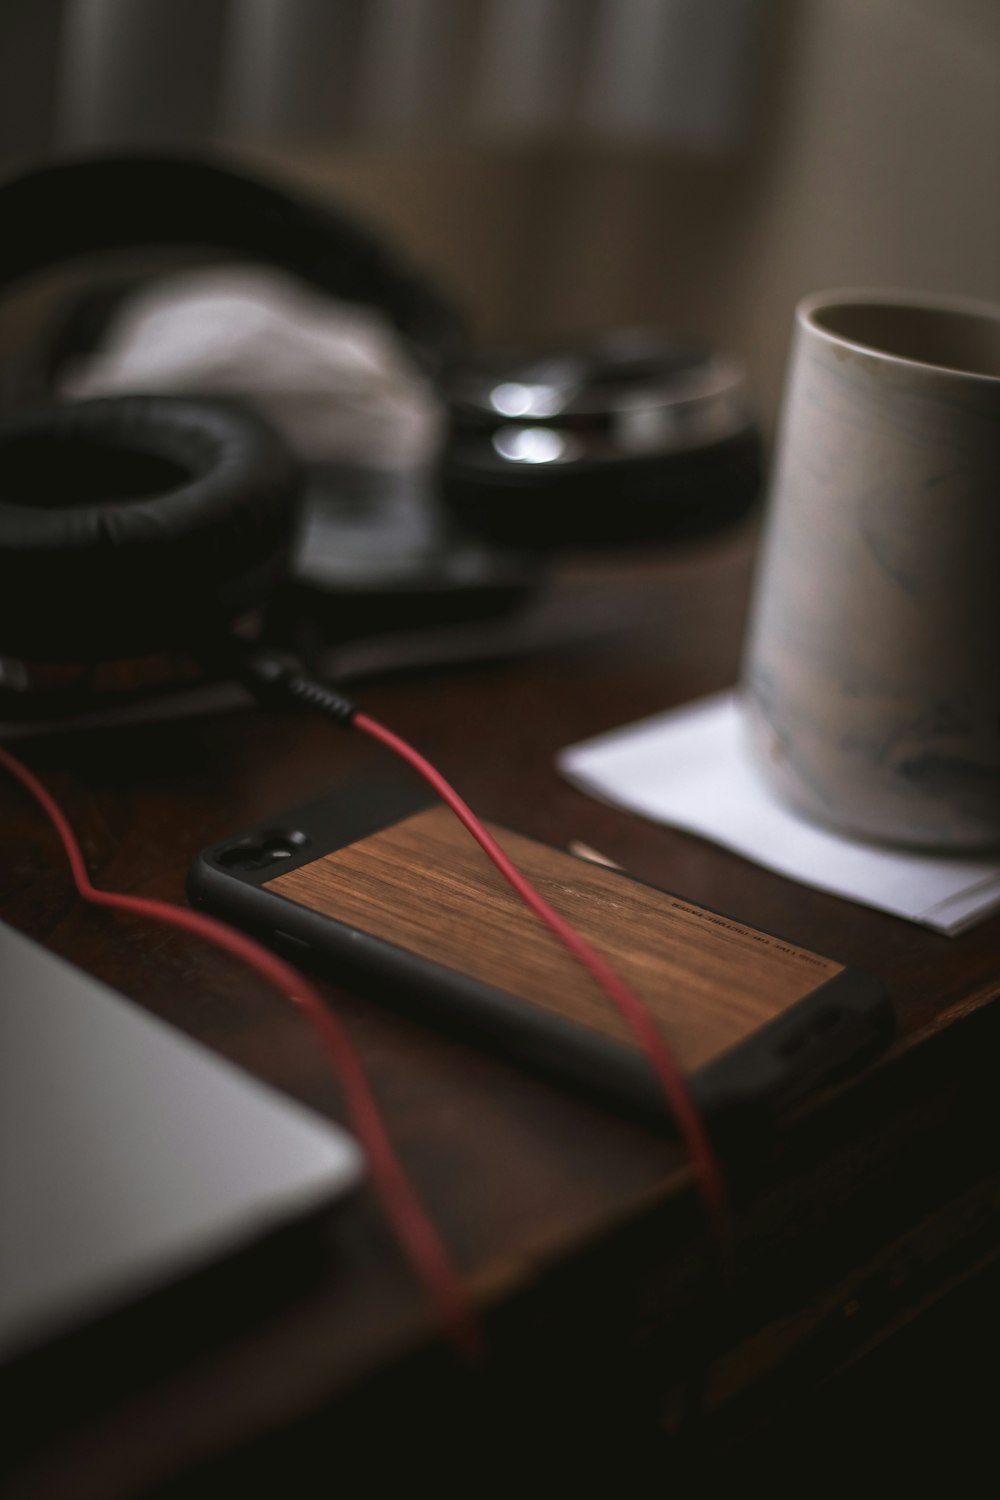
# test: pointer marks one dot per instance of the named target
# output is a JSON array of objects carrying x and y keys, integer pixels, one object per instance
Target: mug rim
[{"x": 809, "y": 307}]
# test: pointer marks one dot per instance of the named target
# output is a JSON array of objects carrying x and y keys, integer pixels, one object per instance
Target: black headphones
[
  {"x": 131, "y": 524},
  {"x": 136, "y": 524}
]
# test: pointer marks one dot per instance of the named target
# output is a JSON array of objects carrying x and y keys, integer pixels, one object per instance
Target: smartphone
[{"x": 385, "y": 891}]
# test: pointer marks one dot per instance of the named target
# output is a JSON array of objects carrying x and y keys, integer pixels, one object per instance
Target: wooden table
[{"x": 579, "y": 1232}]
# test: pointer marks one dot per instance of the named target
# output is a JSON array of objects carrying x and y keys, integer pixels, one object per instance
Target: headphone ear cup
[
  {"x": 542, "y": 503},
  {"x": 632, "y": 438},
  {"x": 131, "y": 524}
]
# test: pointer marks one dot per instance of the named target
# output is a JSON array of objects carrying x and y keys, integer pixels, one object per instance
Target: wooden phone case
[{"x": 415, "y": 913}]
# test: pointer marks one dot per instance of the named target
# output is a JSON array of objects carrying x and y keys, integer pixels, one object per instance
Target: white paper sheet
[{"x": 689, "y": 767}]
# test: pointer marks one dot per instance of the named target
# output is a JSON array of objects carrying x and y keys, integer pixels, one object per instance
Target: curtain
[{"x": 85, "y": 74}]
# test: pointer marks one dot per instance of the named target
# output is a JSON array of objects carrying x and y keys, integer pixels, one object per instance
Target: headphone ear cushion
[
  {"x": 640, "y": 500},
  {"x": 134, "y": 523}
]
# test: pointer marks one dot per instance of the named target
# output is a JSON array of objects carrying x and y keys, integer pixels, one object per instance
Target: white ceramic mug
[{"x": 872, "y": 668}]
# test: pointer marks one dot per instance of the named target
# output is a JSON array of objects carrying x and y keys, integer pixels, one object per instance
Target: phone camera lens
[{"x": 265, "y": 849}]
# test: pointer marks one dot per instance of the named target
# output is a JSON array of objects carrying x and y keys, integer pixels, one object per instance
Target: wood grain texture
[{"x": 424, "y": 885}]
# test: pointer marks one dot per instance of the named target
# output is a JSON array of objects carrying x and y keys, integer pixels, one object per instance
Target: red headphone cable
[
  {"x": 687, "y": 1117},
  {"x": 275, "y": 682},
  {"x": 272, "y": 680},
  {"x": 414, "y": 1231}
]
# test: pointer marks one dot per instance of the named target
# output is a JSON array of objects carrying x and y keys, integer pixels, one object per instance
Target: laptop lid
[{"x": 130, "y": 1154}]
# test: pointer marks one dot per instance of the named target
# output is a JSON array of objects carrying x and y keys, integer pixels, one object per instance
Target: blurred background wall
[{"x": 564, "y": 164}]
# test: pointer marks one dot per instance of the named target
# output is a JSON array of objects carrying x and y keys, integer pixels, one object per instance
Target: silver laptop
[{"x": 129, "y": 1154}]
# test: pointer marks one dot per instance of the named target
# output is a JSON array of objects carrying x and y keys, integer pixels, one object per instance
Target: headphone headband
[{"x": 52, "y": 214}]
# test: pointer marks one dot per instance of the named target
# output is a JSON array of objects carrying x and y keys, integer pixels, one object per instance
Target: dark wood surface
[{"x": 578, "y": 1231}]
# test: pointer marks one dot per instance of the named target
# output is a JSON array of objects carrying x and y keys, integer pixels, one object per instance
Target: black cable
[{"x": 277, "y": 683}]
